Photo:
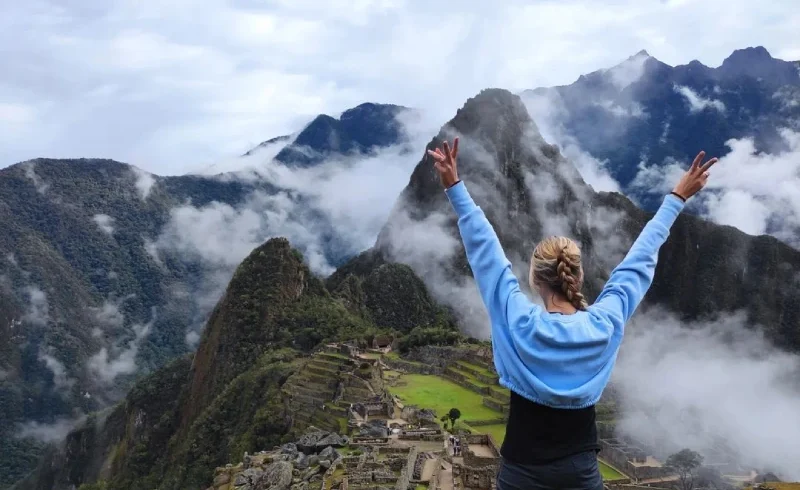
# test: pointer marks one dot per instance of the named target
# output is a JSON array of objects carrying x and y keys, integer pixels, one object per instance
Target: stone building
[
  {"x": 632, "y": 460},
  {"x": 480, "y": 461}
]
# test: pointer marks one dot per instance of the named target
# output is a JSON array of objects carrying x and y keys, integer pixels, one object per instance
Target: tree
[
  {"x": 685, "y": 463},
  {"x": 444, "y": 420},
  {"x": 454, "y": 414}
]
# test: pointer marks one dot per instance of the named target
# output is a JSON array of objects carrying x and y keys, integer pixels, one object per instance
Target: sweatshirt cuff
[
  {"x": 670, "y": 209},
  {"x": 460, "y": 199}
]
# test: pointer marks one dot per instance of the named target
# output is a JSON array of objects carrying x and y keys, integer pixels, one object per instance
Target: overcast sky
[{"x": 175, "y": 85}]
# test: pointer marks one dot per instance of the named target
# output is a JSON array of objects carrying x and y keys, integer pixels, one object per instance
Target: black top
[{"x": 538, "y": 434}]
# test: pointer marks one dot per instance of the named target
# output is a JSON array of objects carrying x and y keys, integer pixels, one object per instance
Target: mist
[
  {"x": 708, "y": 385},
  {"x": 330, "y": 211}
]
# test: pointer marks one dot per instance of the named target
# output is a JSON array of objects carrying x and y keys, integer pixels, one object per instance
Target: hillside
[
  {"x": 245, "y": 388},
  {"x": 106, "y": 272},
  {"x": 644, "y": 113}
]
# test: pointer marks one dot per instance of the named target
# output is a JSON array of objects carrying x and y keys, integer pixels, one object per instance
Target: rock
[
  {"x": 313, "y": 460},
  {"x": 277, "y": 476},
  {"x": 289, "y": 448},
  {"x": 331, "y": 439},
  {"x": 300, "y": 486},
  {"x": 247, "y": 461},
  {"x": 301, "y": 462},
  {"x": 308, "y": 441},
  {"x": 222, "y": 479},
  {"x": 325, "y": 464},
  {"x": 310, "y": 473},
  {"x": 329, "y": 453},
  {"x": 247, "y": 479}
]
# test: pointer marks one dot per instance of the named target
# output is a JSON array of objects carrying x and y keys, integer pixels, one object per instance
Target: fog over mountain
[{"x": 108, "y": 272}]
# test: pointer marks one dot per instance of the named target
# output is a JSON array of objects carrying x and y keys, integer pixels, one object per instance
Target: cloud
[
  {"x": 48, "y": 433},
  {"x": 744, "y": 400},
  {"x": 38, "y": 311},
  {"x": 38, "y": 183},
  {"x": 104, "y": 222},
  {"x": 629, "y": 71},
  {"x": 109, "y": 314},
  {"x": 3, "y": 374},
  {"x": 60, "y": 376},
  {"x": 698, "y": 103},
  {"x": 150, "y": 85},
  {"x": 548, "y": 110},
  {"x": 144, "y": 182},
  {"x": 107, "y": 364},
  {"x": 753, "y": 191}
]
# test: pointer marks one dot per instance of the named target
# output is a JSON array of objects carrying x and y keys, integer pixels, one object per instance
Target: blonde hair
[{"x": 556, "y": 263}]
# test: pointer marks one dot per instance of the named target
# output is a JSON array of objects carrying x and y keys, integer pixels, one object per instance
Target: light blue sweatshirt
[{"x": 558, "y": 360}]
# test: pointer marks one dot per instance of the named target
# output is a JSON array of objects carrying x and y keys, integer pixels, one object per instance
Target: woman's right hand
[{"x": 695, "y": 178}]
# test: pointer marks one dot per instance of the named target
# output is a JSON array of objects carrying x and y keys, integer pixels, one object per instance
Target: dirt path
[
  {"x": 427, "y": 470},
  {"x": 446, "y": 476}
]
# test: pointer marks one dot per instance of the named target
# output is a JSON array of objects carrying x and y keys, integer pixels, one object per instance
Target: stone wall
[
  {"x": 405, "y": 474},
  {"x": 494, "y": 405},
  {"x": 623, "y": 456},
  {"x": 412, "y": 367},
  {"x": 437, "y": 356},
  {"x": 471, "y": 459},
  {"x": 478, "y": 478}
]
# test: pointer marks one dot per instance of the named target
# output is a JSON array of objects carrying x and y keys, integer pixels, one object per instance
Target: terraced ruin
[{"x": 372, "y": 421}]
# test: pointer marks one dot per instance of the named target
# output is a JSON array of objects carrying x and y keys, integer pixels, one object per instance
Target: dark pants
[{"x": 577, "y": 472}]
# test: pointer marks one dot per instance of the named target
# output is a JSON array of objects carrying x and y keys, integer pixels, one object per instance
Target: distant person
[{"x": 556, "y": 360}]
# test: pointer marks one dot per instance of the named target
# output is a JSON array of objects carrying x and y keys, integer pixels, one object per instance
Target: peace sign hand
[
  {"x": 444, "y": 160},
  {"x": 695, "y": 178}
]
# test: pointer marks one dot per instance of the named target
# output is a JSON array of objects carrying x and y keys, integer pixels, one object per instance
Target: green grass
[
  {"x": 609, "y": 473},
  {"x": 477, "y": 368},
  {"x": 370, "y": 355},
  {"x": 440, "y": 395},
  {"x": 498, "y": 432}
]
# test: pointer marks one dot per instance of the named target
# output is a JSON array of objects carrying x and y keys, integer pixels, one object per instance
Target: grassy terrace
[
  {"x": 440, "y": 395},
  {"x": 609, "y": 473}
]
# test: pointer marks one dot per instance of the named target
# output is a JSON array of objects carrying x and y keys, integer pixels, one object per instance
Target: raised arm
[
  {"x": 631, "y": 279},
  {"x": 498, "y": 286}
]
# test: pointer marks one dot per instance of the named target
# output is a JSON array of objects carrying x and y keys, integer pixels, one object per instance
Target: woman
[{"x": 556, "y": 360}]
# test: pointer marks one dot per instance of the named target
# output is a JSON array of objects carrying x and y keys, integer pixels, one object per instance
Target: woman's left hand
[{"x": 444, "y": 160}]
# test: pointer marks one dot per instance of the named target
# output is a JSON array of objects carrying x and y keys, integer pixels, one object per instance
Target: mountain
[
  {"x": 358, "y": 130},
  {"x": 644, "y": 113},
  {"x": 529, "y": 190},
  {"x": 246, "y": 387},
  {"x": 253, "y": 382},
  {"x": 107, "y": 272}
]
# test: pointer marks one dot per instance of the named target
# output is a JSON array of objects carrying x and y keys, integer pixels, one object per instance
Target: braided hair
[{"x": 556, "y": 262}]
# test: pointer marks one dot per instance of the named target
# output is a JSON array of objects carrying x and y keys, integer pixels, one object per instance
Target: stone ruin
[
  {"x": 302, "y": 465},
  {"x": 375, "y": 407},
  {"x": 632, "y": 460},
  {"x": 480, "y": 461}
]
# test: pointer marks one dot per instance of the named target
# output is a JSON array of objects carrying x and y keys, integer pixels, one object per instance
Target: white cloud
[
  {"x": 60, "y": 375},
  {"x": 548, "y": 111},
  {"x": 698, "y": 103},
  {"x": 109, "y": 314},
  {"x": 144, "y": 182},
  {"x": 145, "y": 83},
  {"x": 38, "y": 310},
  {"x": 629, "y": 71},
  {"x": 104, "y": 222},
  {"x": 48, "y": 433},
  {"x": 107, "y": 364},
  {"x": 692, "y": 385},
  {"x": 750, "y": 190},
  {"x": 38, "y": 183}
]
